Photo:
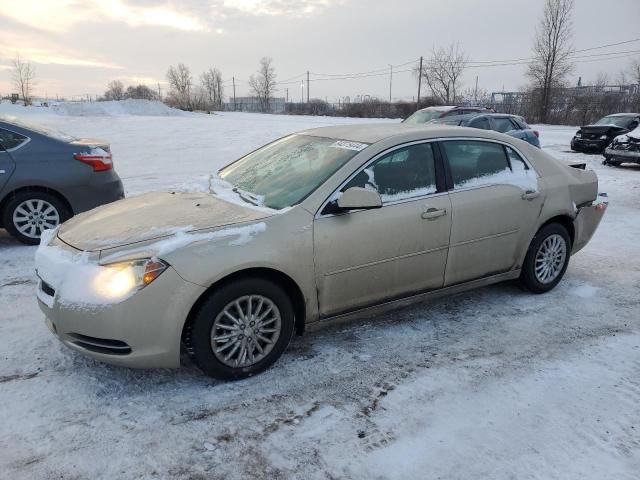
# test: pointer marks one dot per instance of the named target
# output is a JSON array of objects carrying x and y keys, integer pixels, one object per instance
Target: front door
[
  {"x": 495, "y": 203},
  {"x": 366, "y": 257}
]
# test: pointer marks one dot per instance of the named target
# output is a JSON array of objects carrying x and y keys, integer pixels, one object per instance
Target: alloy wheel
[
  {"x": 550, "y": 258},
  {"x": 33, "y": 216},
  {"x": 246, "y": 331}
]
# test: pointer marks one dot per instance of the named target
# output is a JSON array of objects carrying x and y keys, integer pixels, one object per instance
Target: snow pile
[{"x": 117, "y": 108}]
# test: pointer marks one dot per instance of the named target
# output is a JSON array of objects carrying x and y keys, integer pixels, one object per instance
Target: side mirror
[{"x": 356, "y": 198}]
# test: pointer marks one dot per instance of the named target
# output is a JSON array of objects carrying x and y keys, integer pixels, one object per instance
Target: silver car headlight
[{"x": 118, "y": 280}]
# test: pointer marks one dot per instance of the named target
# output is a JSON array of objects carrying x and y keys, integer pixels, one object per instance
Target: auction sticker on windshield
[{"x": 349, "y": 145}]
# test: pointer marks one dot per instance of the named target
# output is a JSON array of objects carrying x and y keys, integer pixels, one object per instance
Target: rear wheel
[
  {"x": 547, "y": 259},
  {"x": 241, "y": 329},
  {"x": 29, "y": 213}
]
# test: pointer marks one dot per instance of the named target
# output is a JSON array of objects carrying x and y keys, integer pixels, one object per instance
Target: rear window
[
  {"x": 10, "y": 140},
  {"x": 34, "y": 127}
]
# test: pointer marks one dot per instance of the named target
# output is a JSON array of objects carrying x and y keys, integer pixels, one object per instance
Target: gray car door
[{"x": 7, "y": 167}]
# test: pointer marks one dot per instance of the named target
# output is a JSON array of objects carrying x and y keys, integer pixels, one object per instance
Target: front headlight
[
  {"x": 578, "y": 134},
  {"x": 603, "y": 137},
  {"x": 118, "y": 280}
]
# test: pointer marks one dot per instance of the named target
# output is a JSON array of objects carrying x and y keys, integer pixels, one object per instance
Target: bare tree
[
  {"x": 602, "y": 80},
  {"x": 211, "y": 82},
  {"x": 263, "y": 84},
  {"x": 24, "y": 78},
  {"x": 442, "y": 72},
  {"x": 180, "y": 83},
  {"x": 141, "y": 92},
  {"x": 634, "y": 70},
  {"x": 552, "y": 52},
  {"x": 115, "y": 90}
]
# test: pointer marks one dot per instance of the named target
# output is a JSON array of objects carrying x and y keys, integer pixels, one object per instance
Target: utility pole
[
  {"x": 159, "y": 92},
  {"x": 287, "y": 90},
  {"x": 419, "y": 83},
  {"x": 390, "y": 81},
  {"x": 233, "y": 79},
  {"x": 307, "y": 86}
]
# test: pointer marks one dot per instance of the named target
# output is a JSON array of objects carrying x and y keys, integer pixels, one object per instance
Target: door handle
[
  {"x": 433, "y": 213},
  {"x": 530, "y": 195}
]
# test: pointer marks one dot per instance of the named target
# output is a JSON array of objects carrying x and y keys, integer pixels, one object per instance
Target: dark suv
[
  {"x": 46, "y": 177},
  {"x": 596, "y": 137}
]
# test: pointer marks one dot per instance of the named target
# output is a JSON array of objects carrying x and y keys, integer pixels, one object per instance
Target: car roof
[
  {"x": 377, "y": 132},
  {"x": 469, "y": 116},
  {"x": 630, "y": 114}
]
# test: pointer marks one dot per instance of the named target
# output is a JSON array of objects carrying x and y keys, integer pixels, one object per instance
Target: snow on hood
[
  {"x": 635, "y": 134},
  {"x": 74, "y": 275},
  {"x": 153, "y": 216}
]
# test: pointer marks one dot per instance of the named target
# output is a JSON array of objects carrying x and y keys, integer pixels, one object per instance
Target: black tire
[
  {"x": 61, "y": 210},
  {"x": 198, "y": 334},
  {"x": 528, "y": 278}
]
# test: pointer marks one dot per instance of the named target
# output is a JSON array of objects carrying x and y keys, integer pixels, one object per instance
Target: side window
[
  {"x": 480, "y": 123},
  {"x": 11, "y": 140},
  {"x": 404, "y": 173},
  {"x": 473, "y": 163},
  {"x": 516, "y": 161},
  {"x": 503, "y": 125}
]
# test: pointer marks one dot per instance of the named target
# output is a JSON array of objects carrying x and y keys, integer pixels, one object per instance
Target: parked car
[
  {"x": 46, "y": 177},
  {"x": 431, "y": 113},
  {"x": 512, "y": 125},
  {"x": 597, "y": 137},
  {"x": 624, "y": 149},
  {"x": 321, "y": 224}
]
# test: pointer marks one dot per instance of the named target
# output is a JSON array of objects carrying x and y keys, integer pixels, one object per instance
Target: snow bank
[{"x": 117, "y": 108}]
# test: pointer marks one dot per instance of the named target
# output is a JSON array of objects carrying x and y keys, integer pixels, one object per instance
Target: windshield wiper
[{"x": 247, "y": 197}]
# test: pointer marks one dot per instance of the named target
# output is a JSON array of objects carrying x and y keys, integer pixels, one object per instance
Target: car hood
[
  {"x": 152, "y": 216},
  {"x": 601, "y": 129}
]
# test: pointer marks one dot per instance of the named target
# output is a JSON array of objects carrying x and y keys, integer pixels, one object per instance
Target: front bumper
[
  {"x": 586, "y": 223},
  {"x": 587, "y": 145},
  {"x": 631, "y": 156},
  {"x": 142, "y": 331}
]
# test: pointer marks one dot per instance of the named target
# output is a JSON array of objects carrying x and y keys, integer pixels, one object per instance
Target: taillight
[
  {"x": 536, "y": 133},
  {"x": 97, "y": 158}
]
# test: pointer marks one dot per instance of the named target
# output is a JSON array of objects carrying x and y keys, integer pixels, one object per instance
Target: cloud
[
  {"x": 46, "y": 57},
  {"x": 292, "y": 8},
  {"x": 61, "y": 15}
]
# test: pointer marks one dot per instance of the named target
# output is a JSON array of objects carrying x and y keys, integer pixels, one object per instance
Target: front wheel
[
  {"x": 241, "y": 329},
  {"x": 547, "y": 259}
]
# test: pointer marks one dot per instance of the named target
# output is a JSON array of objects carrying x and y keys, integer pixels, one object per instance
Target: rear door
[
  {"x": 365, "y": 257},
  {"x": 495, "y": 203},
  {"x": 9, "y": 141}
]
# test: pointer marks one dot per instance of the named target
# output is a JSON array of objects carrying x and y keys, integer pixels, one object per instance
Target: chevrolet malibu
[{"x": 325, "y": 223}]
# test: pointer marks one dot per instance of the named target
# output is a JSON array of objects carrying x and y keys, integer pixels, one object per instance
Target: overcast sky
[{"x": 78, "y": 46}]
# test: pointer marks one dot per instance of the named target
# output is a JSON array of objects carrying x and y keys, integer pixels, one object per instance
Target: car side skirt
[{"x": 374, "y": 310}]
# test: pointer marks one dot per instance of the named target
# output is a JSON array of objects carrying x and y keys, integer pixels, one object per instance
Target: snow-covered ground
[{"x": 495, "y": 383}]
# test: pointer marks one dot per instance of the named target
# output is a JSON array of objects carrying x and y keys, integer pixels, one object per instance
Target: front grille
[{"x": 99, "y": 345}]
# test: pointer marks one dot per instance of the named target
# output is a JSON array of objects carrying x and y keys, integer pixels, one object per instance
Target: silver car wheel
[
  {"x": 34, "y": 216},
  {"x": 246, "y": 331},
  {"x": 550, "y": 258}
]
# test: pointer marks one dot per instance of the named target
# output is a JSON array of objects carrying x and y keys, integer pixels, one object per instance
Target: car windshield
[
  {"x": 617, "y": 121},
  {"x": 423, "y": 116},
  {"x": 286, "y": 171},
  {"x": 34, "y": 127}
]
